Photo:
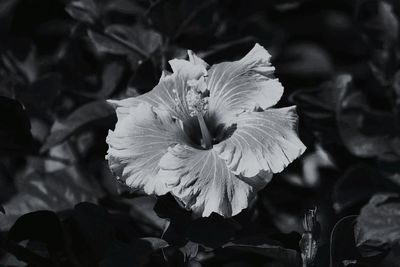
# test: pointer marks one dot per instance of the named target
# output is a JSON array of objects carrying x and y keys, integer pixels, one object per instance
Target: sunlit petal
[
  {"x": 193, "y": 58},
  {"x": 204, "y": 183},
  {"x": 137, "y": 144},
  {"x": 170, "y": 93},
  {"x": 216, "y": 163},
  {"x": 264, "y": 140},
  {"x": 243, "y": 85}
]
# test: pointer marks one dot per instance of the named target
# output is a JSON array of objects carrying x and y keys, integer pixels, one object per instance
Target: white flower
[{"x": 206, "y": 135}]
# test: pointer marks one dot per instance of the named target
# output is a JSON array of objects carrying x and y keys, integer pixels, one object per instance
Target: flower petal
[
  {"x": 187, "y": 69},
  {"x": 243, "y": 85},
  {"x": 264, "y": 140},
  {"x": 203, "y": 182},
  {"x": 137, "y": 144},
  {"x": 193, "y": 58},
  {"x": 170, "y": 93}
]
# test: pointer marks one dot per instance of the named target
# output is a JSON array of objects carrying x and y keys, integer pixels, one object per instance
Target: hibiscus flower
[{"x": 207, "y": 135}]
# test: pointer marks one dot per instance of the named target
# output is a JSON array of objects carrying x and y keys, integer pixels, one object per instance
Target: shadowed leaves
[
  {"x": 15, "y": 135},
  {"x": 86, "y": 116},
  {"x": 378, "y": 226}
]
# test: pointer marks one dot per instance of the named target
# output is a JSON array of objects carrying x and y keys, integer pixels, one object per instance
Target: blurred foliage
[{"x": 61, "y": 59}]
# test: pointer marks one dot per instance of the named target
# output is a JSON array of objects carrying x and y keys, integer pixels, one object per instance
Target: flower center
[
  {"x": 197, "y": 100},
  {"x": 202, "y": 126}
]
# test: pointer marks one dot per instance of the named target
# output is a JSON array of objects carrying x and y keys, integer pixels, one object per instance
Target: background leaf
[
  {"x": 85, "y": 116},
  {"x": 343, "y": 247},
  {"x": 377, "y": 226},
  {"x": 15, "y": 127}
]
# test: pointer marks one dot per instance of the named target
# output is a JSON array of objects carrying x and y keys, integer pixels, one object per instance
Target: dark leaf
[
  {"x": 123, "y": 255},
  {"x": 155, "y": 243},
  {"x": 132, "y": 255},
  {"x": 83, "y": 10},
  {"x": 266, "y": 247},
  {"x": 167, "y": 208},
  {"x": 382, "y": 30},
  {"x": 15, "y": 135},
  {"x": 355, "y": 116},
  {"x": 105, "y": 44},
  {"x": 98, "y": 112},
  {"x": 343, "y": 247},
  {"x": 43, "y": 93},
  {"x": 26, "y": 68},
  {"x": 144, "y": 79},
  {"x": 138, "y": 38},
  {"x": 141, "y": 208},
  {"x": 54, "y": 191},
  {"x": 285, "y": 212},
  {"x": 357, "y": 185},
  {"x": 100, "y": 238},
  {"x": 179, "y": 219},
  {"x": 378, "y": 226},
  {"x": 94, "y": 226},
  {"x": 135, "y": 41},
  {"x": 125, "y": 7},
  {"x": 317, "y": 109},
  {"x": 91, "y": 11},
  {"x": 213, "y": 231},
  {"x": 110, "y": 78},
  {"x": 383, "y": 26},
  {"x": 389, "y": 21},
  {"x": 41, "y": 226},
  {"x": 188, "y": 17},
  {"x": 189, "y": 250},
  {"x": 6, "y": 6},
  {"x": 305, "y": 62}
]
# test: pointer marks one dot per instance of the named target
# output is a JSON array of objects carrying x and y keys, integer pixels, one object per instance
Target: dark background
[{"x": 60, "y": 60}]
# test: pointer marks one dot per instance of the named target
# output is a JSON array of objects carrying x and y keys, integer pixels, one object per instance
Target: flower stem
[{"x": 204, "y": 131}]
